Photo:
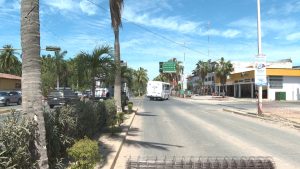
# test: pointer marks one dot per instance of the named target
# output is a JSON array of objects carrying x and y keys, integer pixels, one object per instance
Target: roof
[{"x": 9, "y": 76}]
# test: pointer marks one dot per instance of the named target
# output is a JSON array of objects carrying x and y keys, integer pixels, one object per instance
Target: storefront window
[{"x": 276, "y": 82}]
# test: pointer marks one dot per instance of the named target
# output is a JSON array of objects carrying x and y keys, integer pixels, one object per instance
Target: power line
[{"x": 156, "y": 34}]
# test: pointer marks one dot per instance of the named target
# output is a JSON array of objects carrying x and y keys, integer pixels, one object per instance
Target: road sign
[
  {"x": 260, "y": 70},
  {"x": 169, "y": 67}
]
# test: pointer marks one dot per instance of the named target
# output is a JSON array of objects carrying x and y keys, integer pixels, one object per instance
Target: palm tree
[
  {"x": 59, "y": 63},
  {"x": 116, "y": 22},
  {"x": 162, "y": 77},
  {"x": 223, "y": 69},
  {"x": 9, "y": 63},
  {"x": 141, "y": 80},
  {"x": 98, "y": 63},
  {"x": 47, "y": 74},
  {"x": 31, "y": 74},
  {"x": 202, "y": 69}
]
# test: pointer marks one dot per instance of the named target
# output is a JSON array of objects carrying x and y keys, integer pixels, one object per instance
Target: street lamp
[{"x": 259, "y": 106}]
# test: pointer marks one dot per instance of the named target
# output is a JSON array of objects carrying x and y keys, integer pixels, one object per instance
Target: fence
[{"x": 200, "y": 163}]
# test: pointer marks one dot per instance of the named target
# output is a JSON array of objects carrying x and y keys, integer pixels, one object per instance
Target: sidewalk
[
  {"x": 281, "y": 111},
  {"x": 110, "y": 145}
]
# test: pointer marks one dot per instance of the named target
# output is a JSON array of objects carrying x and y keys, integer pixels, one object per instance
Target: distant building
[
  {"x": 10, "y": 82},
  {"x": 281, "y": 77}
]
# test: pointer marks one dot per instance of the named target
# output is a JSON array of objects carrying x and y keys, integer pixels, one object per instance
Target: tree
[
  {"x": 223, "y": 69},
  {"x": 59, "y": 65},
  {"x": 98, "y": 63},
  {"x": 9, "y": 63},
  {"x": 31, "y": 74},
  {"x": 116, "y": 22},
  {"x": 162, "y": 77},
  {"x": 202, "y": 69},
  {"x": 48, "y": 76},
  {"x": 141, "y": 80}
]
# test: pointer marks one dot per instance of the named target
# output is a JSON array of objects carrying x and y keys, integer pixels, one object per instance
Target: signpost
[
  {"x": 260, "y": 70},
  {"x": 169, "y": 67}
]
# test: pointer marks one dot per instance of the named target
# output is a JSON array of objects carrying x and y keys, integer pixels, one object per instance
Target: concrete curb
[
  {"x": 248, "y": 114},
  {"x": 122, "y": 142}
]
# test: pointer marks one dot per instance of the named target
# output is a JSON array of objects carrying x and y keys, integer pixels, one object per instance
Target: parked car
[
  {"x": 10, "y": 97},
  {"x": 61, "y": 97}
]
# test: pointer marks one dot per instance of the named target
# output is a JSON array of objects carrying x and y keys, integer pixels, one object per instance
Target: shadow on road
[{"x": 150, "y": 145}]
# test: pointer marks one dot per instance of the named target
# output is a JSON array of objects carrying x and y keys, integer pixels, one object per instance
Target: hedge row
[{"x": 63, "y": 127}]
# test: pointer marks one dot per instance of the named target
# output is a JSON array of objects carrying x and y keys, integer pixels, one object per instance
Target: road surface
[{"x": 188, "y": 128}]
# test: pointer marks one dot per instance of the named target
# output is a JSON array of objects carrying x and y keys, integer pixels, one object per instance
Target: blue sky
[{"x": 78, "y": 25}]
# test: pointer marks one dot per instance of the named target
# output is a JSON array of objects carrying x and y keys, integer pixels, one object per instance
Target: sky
[{"x": 155, "y": 31}]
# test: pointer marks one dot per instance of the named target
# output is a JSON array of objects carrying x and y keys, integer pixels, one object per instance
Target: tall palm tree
[
  {"x": 98, "y": 62},
  {"x": 141, "y": 79},
  {"x": 116, "y": 22},
  {"x": 59, "y": 61},
  {"x": 202, "y": 69},
  {"x": 31, "y": 74},
  {"x": 9, "y": 63},
  {"x": 223, "y": 69}
]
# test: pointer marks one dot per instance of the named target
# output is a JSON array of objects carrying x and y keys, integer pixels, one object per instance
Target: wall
[
  {"x": 291, "y": 85},
  {"x": 10, "y": 84}
]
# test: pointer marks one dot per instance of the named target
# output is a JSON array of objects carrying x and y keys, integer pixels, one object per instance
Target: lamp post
[{"x": 259, "y": 106}]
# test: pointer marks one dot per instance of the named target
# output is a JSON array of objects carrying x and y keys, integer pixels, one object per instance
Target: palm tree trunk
[
  {"x": 117, "y": 87},
  {"x": 31, "y": 73}
]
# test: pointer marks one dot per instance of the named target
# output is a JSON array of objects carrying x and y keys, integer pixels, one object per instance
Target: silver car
[{"x": 10, "y": 97}]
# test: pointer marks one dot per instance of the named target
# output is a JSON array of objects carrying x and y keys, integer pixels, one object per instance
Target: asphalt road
[{"x": 185, "y": 128}]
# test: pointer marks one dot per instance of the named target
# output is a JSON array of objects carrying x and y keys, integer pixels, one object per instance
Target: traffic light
[{"x": 161, "y": 67}]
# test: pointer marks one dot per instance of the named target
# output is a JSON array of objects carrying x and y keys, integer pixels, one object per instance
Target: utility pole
[
  {"x": 259, "y": 106},
  {"x": 208, "y": 38}
]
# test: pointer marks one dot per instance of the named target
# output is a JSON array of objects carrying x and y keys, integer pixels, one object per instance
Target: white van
[{"x": 158, "y": 90}]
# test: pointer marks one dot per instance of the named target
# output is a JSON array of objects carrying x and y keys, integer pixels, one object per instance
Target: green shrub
[
  {"x": 61, "y": 131},
  {"x": 86, "y": 119},
  {"x": 111, "y": 111},
  {"x": 130, "y": 105},
  {"x": 120, "y": 118},
  {"x": 85, "y": 154},
  {"x": 17, "y": 142}
]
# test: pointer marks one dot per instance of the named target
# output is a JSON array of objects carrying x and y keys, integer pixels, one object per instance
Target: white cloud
[
  {"x": 61, "y": 4},
  {"x": 293, "y": 36},
  {"x": 87, "y": 7},
  {"x": 169, "y": 23}
]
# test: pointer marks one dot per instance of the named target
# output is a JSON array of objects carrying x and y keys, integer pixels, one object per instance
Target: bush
[
  {"x": 120, "y": 118},
  {"x": 85, "y": 154},
  {"x": 61, "y": 131},
  {"x": 130, "y": 105},
  {"x": 17, "y": 142},
  {"x": 86, "y": 119},
  {"x": 111, "y": 111}
]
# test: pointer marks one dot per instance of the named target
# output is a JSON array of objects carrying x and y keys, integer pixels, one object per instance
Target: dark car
[{"x": 61, "y": 97}]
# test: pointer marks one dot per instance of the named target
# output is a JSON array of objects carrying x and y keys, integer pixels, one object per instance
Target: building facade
[{"x": 9, "y": 82}]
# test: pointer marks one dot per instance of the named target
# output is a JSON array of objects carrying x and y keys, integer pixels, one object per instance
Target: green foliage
[
  {"x": 61, "y": 131},
  {"x": 69, "y": 123},
  {"x": 120, "y": 118},
  {"x": 85, "y": 154},
  {"x": 130, "y": 105},
  {"x": 17, "y": 138},
  {"x": 111, "y": 111},
  {"x": 9, "y": 63}
]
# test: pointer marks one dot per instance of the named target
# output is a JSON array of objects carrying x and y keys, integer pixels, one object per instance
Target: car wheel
[
  {"x": 7, "y": 103},
  {"x": 19, "y": 102},
  {"x": 51, "y": 106}
]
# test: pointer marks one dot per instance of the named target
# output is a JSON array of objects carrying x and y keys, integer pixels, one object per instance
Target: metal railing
[{"x": 200, "y": 163}]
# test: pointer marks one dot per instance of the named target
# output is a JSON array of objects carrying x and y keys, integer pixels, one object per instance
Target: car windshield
[{"x": 3, "y": 93}]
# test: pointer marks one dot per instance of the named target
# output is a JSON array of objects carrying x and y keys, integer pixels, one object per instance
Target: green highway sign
[{"x": 169, "y": 67}]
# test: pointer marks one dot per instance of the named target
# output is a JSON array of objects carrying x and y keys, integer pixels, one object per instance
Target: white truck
[{"x": 158, "y": 90}]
